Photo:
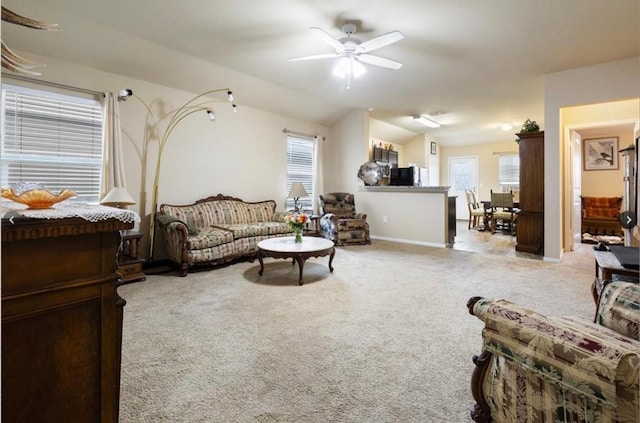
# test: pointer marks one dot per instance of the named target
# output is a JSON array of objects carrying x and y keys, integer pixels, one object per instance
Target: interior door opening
[{"x": 463, "y": 175}]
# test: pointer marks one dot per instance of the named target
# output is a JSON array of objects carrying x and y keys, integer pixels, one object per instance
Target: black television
[{"x": 401, "y": 176}]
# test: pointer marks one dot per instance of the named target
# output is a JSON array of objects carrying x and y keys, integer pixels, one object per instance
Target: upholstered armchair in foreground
[
  {"x": 535, "y": 368},
  {"x": 339, "y": 222}
]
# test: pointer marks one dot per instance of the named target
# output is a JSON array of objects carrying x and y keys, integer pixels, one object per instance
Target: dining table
[{"x": 486, "y": 205}]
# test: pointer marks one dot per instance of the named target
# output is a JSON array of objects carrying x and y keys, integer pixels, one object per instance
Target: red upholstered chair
[{"x": 600, "y": 215}]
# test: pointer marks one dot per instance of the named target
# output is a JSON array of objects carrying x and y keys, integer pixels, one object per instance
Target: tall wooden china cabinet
[
  {"x": 61, "y": 314},
  {"x": 530, "y": 224}
]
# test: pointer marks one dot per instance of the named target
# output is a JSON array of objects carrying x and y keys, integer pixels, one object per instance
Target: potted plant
[{"x": 528, "y": 126}]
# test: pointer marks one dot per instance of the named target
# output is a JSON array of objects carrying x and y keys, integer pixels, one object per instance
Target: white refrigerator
[{"x": 421, "y": 177}]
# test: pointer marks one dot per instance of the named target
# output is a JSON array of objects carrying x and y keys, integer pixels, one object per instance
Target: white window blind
[
  {"x": 300, "y": 169},
  {"x": 509, "y": 174},
  {"x": 52, "y": 139}
]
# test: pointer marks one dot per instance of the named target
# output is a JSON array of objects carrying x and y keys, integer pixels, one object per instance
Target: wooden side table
[
  {"x": 129, "y": 262},
  {"x": 315, "y": 218},
  {"x": 608, "y": 265}
]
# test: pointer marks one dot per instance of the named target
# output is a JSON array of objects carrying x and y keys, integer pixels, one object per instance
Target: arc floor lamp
[{"x": 199, "y": 103}]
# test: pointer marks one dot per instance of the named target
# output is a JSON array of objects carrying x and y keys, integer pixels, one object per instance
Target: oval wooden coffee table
[{"x": 285, "y": 247}]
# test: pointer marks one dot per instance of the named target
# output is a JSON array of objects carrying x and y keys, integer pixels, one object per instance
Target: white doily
[{"x": 90, "y": 212}]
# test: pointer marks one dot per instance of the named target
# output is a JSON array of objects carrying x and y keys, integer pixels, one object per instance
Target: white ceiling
[{"x": 478, "y": 63}]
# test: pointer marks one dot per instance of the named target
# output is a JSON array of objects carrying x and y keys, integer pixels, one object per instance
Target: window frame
[
  {"x": 44, "y": 135},
  {"x": 509, "y": 171},
  {"x": 303, "y": 171}
]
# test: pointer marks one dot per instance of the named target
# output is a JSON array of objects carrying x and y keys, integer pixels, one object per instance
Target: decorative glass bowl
[
  {"x": 370, "y": 173},
  {"x": 38, "y": 198}
]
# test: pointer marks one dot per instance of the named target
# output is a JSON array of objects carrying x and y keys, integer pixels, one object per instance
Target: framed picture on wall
[
  {"x": 600, "y": 154},
  {"x": 433, "y": 148}
]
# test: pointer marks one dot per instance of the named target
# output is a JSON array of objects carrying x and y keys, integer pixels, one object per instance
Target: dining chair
[
  {"x": 503, "y": 211},
  {"x": 476, "y": 212}
]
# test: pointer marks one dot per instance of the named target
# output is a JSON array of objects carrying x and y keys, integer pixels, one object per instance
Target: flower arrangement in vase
[{"x": 297, "y": 221}]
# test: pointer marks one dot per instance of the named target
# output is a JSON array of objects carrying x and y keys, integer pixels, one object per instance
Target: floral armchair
[
  {"x": 565, "y": 369},
  {"x": 339, "y": 222}
]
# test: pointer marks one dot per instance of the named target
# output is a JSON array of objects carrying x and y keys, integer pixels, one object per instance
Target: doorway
[
  {"x": 463, "y": 175},
  {"x": 607, "y": 183}
]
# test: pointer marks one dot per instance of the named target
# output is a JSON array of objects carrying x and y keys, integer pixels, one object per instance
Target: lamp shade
[
  {"x": 297, "y": 190},
  {"x": 118, "y": 196}
]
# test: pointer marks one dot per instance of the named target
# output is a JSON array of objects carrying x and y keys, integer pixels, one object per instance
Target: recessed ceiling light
[{"x": 507, "y": 127}]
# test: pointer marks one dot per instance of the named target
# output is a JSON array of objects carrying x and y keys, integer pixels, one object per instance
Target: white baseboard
[
  {"x": 553, "y": 259},
  {"x": 408, "y": 241}
]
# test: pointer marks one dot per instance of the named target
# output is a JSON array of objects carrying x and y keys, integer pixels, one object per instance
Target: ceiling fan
[{"x": 352, "y": 52}]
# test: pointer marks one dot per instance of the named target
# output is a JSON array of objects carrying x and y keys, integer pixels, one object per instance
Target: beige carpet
[{"x": 385, "y": 338}]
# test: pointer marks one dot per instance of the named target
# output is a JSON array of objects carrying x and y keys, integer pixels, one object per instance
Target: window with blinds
[
  {"x": 52, "y": 139},
  {"x": 509, "y": 173},
  {"x": 300, "y": 168}
]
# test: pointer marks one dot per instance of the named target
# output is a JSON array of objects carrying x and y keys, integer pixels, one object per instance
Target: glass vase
[{"x": 298, "y": 232}]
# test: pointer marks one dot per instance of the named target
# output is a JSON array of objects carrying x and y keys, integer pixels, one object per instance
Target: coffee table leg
[
  {"x": 261, "y": 263},
  {"x": 333, "y": 253},
  {"x": 300, "y": 261}
]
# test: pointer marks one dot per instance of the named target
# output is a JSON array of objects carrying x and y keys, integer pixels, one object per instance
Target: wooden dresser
[
  {"x": 530, "y": 223},
  {"x": 61, "y": 319}
]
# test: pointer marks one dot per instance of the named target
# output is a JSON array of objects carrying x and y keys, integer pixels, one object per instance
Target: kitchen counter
[
  {"x": 395, "y": 188},
  {"x": 415, "y": 215}
]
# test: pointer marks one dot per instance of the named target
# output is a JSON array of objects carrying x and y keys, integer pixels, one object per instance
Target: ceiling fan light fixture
[
  {"x": 342, "y": 67},
  {"x": 426, "y": 121},
  {"x": 353, "y": 54},
  {"x": 349, "y": 66},
  {"x": 357, "y": 69}
]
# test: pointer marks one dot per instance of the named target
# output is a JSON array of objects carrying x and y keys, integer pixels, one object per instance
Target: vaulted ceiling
[{"x": 475, "y": 65}]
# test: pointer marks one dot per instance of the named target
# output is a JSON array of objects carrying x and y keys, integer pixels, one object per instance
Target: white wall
[
  {"x": 413, "y": 217},
  {"x": 241, "y": 154},
  {"x": 603, "y": 183},
  {"x": 414, "y": 152},
  {"x": 348, "y": 147},
  {"x": 244, "y": 154},
  {"x": 593, "y": 84},
  {"x": 418, "y": 151},
  {"x": 433, "y": 161},
  {"x": 488, "y": 164}
]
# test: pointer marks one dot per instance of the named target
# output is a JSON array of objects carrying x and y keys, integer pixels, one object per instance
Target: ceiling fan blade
[
  {"x": 328, "y": 38},
  {"x": 380, "y": 41},
  {"x": 379, "y": 61},
  {"x": 317, "y": 56}
]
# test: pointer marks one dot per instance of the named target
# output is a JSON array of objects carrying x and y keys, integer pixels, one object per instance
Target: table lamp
[
  {"x": 117, "y": 197},
  {"x": 297, "y": 191}
]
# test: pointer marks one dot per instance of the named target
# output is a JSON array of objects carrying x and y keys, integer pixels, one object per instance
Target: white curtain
[
  {"x": 318, "y": 175},
  {"x": 113, "y": 170}
]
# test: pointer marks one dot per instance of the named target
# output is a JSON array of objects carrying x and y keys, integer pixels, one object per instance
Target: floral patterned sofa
[
  {"x": 559, "y": 369},
  {"x": 218, "y": 229}
]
